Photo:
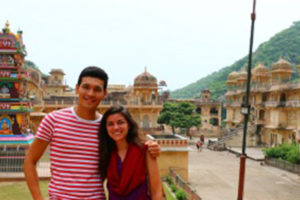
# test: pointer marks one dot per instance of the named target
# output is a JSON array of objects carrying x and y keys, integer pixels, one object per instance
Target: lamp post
[{"x": 245, "y": 110}]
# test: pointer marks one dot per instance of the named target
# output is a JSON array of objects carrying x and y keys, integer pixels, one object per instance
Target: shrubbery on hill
[{"x": 284, "y": 44}]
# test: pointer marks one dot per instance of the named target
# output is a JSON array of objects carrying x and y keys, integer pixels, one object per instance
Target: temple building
[
  {"x": 144, "y": 99},
  {"x": 211, "y": 114},
  {"x": 275, "y": 104},
  {"x": 15, "y": 105},
  {"x": 55, "y": 83}
]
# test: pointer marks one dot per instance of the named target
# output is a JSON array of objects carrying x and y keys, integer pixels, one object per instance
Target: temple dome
[
  {"x": 145, "y": 79},
  {"x": 281, "y": 64},
  {"x": 233, "y": 75},
  {"x": 260, "y": 69},
  {"x": 242, "y": 75},
  {"x": 57, "y": 71},
  {"x": 162, "y": 83}
]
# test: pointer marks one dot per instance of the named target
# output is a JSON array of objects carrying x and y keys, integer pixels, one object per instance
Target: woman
[{"x": 130, "y": 171}]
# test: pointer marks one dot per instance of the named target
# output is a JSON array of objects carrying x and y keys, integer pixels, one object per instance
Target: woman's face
[{"x": 117, "y": 127}]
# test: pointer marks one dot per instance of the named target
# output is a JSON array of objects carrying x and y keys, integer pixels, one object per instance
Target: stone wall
[
  {"x": 191, "y": 193},
  {"x": 282, "y": 164}
]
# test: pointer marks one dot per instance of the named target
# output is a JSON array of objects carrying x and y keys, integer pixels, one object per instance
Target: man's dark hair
[{"x": 95, "y": 72}]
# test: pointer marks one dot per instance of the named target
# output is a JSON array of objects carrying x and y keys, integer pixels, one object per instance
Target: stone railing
[
  {"x": 275, "y": 85},
  {"x": 236, "y": 104},
  {"x": 270, "y": 103},
  {"x": 282, "y": 164},
  {"x": 105, "y": 103},
  {"x": 131, "y": 103},
  {"x": 170, "y": 140},
  {"x": 293, "y": 103},
  {"x": 233, "y": 104},
  {"x": 191, "y": 193},
  {"x": 60, "y": 102},
  {"x": 260, "y": 87},
  {"x": 294, "y": 85},
  {"x": 211, "y": 103}
]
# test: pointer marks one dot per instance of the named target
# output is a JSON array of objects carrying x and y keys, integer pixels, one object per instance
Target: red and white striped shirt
[{"x": 74, "y": 155}]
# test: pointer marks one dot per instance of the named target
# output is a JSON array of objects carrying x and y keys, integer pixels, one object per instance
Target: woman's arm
[{"x": 154, "y": 178}]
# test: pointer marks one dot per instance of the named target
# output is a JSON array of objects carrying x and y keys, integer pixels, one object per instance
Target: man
[{"x": 73, "y": 137}]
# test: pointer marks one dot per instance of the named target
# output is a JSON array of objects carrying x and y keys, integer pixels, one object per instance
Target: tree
[
  {"x": 166, "y": 115},
  {"x": 179, "y": 115}
]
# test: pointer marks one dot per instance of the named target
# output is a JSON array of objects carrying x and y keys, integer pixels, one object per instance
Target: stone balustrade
[
  {"x": 271, "y": 103},
  {"x": 170, "y": 140},
  {"x": 293, "y": 103}
]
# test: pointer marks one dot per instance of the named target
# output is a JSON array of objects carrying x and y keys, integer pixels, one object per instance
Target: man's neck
[{"x": 85, "y": 113}]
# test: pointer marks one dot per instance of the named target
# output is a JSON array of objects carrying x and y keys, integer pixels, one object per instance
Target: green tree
[
  {"x": 167, "y": 114},
  {"x": 179, "y": 115},
  {"x": 187, "y": 118}
]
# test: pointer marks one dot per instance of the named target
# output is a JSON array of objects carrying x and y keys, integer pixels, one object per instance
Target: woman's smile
[{"x": 117, "y": 127}]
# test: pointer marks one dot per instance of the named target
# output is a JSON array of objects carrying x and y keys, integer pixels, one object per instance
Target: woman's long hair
[{"x": 106, "y": 144}]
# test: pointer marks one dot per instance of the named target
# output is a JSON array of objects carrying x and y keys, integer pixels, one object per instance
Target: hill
[{"x": 285, "y": 44}]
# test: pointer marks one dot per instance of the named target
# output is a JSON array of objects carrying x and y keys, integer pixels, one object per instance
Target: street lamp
[{"x": 245, "y": 109}]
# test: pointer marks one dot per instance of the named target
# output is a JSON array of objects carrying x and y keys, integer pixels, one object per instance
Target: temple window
[
  {"x": 198, "y": 110},
  {"x": 282, "y": 97},
  {"x": 213, "y": 111}
]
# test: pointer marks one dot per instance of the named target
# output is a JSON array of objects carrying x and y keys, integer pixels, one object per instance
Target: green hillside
[{"x": 285, "y": 44}]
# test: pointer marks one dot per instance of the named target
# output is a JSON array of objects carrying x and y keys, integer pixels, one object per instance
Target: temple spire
[
  {"x": 7, "y": 24},
  {"x": 6, "y": 28}
]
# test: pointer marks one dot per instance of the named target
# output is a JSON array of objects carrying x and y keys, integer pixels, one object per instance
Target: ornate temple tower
[
  {"x": 281, "y": 71},
  {"x": 15, "y": 106},
  {"x": 205, "y": 95},
  {"x": 260, "y": 75},
  {"x": 146, "y": 87},
  {"x": 145, "y": 93},
  {"x": 55, "y": 85}
]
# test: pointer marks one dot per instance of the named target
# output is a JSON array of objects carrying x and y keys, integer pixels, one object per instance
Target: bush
[
  {"x": 173, "y": 188},
  {"x": 181, "y": 195},
  {"x": 293, "y": 155},
  {"x": 169, "y": 179},
  {"x": 286, "y": 152}
]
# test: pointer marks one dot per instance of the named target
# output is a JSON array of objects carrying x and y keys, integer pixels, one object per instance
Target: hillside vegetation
[{"x": 285, "y": 44}]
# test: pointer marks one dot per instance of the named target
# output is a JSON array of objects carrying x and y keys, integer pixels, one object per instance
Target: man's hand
[{"x": 153, "y": 148}]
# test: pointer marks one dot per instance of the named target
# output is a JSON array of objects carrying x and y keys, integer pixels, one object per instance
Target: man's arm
[
  {"x": 35, "y": 152},
  {"x": 153, "y": 148}
]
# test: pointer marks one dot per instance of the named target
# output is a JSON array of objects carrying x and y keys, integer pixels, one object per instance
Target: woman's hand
[{"x": 153, "y": 148}]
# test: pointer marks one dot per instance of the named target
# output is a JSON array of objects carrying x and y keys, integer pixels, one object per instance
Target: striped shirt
[{"x": 74, "y": 155}]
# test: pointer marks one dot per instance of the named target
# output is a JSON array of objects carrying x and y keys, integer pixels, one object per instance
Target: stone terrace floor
[{"x": 215, "y": 177}]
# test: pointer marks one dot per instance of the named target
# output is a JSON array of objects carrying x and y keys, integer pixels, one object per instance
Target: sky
[{"x": 176, "y": 41}]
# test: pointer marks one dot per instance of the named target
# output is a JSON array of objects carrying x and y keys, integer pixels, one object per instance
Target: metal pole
[{"x": 246, "y": 114}]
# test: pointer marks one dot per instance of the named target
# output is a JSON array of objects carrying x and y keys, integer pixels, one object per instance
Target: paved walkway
[{"x": 215, "y": 177}]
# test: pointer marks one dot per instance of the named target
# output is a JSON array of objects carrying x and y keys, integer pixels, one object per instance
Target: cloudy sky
[{"x": 179, "y": 41}]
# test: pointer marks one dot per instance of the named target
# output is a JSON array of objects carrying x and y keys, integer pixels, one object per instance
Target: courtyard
[{"x": 214, "y": 175}]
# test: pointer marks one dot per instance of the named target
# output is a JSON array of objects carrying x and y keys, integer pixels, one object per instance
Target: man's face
[{"x": 90, "y": 92}]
